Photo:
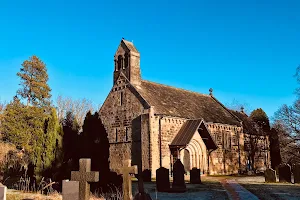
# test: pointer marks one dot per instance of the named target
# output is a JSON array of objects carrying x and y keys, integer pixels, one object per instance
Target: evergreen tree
[
  {"x": 262, "y": 120},
  {"x": 70, "y": 138},
  {"x": 34, "y": 84},
  {"x": 49, "y": 139},
  {"x": 32, "y": 130},
  {"x": 20, "y": 125},
  {"x": 96, "y": 146}
]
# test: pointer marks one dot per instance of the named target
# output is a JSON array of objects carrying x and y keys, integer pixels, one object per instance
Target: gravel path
[{"x": 236, "y": 191}]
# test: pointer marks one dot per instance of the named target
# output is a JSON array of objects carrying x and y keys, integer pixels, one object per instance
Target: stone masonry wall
[
  {"x": 117, "y": 118},
  {"x": 262, "y": 156},
  {"x": 225, "y": 159},
  {"x": 169, "y": 128}
]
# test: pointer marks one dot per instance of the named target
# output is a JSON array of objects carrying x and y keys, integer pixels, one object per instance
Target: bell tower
[{"x": 127, "y": 61}]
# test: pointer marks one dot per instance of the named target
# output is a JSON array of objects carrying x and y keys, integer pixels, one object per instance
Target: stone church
[{"x": 154, "y": 124}]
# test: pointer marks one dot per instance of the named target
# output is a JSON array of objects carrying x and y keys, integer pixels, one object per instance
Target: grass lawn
[{"x": 276, "y": 191}]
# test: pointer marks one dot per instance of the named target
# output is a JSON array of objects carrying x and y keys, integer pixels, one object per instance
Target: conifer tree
[
  {"x": 261, "y": 119},
  {"x": 34, "y": 86}
]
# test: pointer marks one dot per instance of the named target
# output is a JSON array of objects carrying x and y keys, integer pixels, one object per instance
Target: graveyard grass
[
  {"x": 268, "y": 191},
  {"x": 17, "y": 195}
]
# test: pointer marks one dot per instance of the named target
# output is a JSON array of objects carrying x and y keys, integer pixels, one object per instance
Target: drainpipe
[
  {"x": 159, "y": 135},
  {"x": 239, "y": 149},
  {"x": 208, "y": 154}
]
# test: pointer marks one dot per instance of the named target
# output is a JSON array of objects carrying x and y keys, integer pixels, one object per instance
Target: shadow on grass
[{"x": 268, "y": 191}]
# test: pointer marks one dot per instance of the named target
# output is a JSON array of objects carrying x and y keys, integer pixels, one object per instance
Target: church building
[{"x": 154, "y": 124}]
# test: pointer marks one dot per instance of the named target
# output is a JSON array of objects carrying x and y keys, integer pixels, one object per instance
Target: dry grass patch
[
  {"x": 16, "y": 195},
  {"x": 4, "y": 149}
]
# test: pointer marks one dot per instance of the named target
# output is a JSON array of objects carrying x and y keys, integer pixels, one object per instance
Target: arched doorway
[{"x": 186, "y": 160}]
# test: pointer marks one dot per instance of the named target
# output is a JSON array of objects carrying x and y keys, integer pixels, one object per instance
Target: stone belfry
[{"x": 127, "y": 61}]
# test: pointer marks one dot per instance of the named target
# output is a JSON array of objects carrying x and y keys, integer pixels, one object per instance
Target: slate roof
[
  {"x": 185, "y": 104},
  {"x": 130, "y": 46},
  {"x": 187, "y": 131}
]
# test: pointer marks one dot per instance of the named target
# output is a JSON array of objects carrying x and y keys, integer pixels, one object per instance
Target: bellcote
[{"x": 127, "y": 61}]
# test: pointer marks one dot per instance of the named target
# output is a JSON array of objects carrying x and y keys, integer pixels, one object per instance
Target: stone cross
[
  {"x": 84, "y": 175},
  {"x": 126, "y": 171}
]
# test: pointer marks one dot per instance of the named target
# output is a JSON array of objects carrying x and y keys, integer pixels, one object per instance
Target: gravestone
[
  {"x": 146, "y": 174},
  {"x": 195, "y": 176},
  {"x": 84, "y": 175},
  {"x": 178, "y": 177},
  {"x": 127, "y": 185},
  {"x": 3, "y": 191},
  {"x": 162, "y": 180},
  {"x": 296, "y": 172},
  {"x": 70, "y": 190},
  {"x": 284, "y": 172},
  {"x": 270, "y": 176}
]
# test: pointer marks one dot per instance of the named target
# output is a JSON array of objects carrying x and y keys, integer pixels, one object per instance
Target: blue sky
[{"x": 246, "y": 51}]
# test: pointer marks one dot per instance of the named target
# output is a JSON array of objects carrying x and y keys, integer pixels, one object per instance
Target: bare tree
[
  {"x": 2, "y": 107},
  {"x": 79, "y": 108},
  {"x": 239, "y": 106},
  {"x": 287, "y": 124},
  {"x": 289, "y": 145}
]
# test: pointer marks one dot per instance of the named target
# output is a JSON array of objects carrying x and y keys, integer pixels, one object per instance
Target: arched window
[
  {"x": 126, "y": 64},
  {"x": 120, "y": 62},
  {"x": 116, "y": 135},
  {"x": 126, "y": 134}
]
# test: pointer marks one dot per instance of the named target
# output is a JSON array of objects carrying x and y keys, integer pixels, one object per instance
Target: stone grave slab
[
  {"x": 178, "y": 184},
  {"x": 70, "y": 190},
  {"x": 296, "y": 173},
  {"x": 270, "y": 176},
  {"x": 162, "y": 180},
  {"x": 284, "y": 172},
  {"x": 195, "y": 176},
  {"x": 146, "y": 175},
  {"x": 3, "y": 191}
]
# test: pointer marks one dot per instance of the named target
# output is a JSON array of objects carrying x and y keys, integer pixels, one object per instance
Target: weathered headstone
[
  {"x": 162, "y": 180},
  {"x": 284, "y": 172},
  {"x": 270, "y": 176},
  {"x": 296, "y": 172},
  {"x": 127, "y": 184},
  {"x": 3, "y": 191},
  {"x": 146, "y": 175},
  {"x": 70, "y": 190},
  {"x": 84, "y": 175},
  {"x": 178, "y": 177},
  {"x": 195, "y": 176}
]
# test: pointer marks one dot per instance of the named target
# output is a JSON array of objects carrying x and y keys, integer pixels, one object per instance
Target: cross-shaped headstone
[
  {"x": 126, "y": 171},
  {"x": 84, "y": 175}
]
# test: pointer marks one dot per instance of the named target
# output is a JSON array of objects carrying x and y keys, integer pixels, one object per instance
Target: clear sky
[{"x": 246, "y": 51}]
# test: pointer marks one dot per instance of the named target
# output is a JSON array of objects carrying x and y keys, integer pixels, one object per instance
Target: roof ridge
[
  {"x": 173, "y": 87},
  {"x": 127, "y": 41},
  {"x": 228, "y": 110}
]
